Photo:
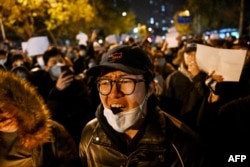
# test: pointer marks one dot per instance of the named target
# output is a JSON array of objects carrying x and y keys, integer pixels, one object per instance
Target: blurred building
[{"x": 157, "y": 15}]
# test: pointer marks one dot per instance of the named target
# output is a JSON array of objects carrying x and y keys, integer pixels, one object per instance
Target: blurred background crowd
[{"x": 58, "y": 71}]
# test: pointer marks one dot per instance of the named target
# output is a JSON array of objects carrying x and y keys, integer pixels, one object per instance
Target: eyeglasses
[{"x": 124, "y": 85}]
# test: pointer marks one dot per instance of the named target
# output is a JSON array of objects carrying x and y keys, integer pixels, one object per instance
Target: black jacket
[
  {"x": 162, "y": 141},
  {"x": 185, "y": 95},
  {"x": 233, "y": 131}
]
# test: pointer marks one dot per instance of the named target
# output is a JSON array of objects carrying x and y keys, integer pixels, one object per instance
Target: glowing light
[
  {"x": 135, "y": 30},
  {"x": 124, "y": 13}
]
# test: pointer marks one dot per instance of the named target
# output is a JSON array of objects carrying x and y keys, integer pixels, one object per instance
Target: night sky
[{"x": 142, "y": 9}]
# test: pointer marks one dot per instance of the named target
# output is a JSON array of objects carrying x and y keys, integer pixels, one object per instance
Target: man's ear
[{"x": 151, "y": 88}]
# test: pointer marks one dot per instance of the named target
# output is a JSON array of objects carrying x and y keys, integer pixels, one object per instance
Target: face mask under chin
[{"x": 124, "y": 120}]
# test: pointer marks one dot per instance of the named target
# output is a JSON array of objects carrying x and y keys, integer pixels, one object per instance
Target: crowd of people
[{"x": 133, "y": 103}]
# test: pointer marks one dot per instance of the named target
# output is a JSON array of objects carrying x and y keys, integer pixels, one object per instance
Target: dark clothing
[
  {"x": 161, "y": 141},
  {"x": 184, "y": 96},
  {"x": 233, "y": 131},
  {"x": 229, "y": 91},
  {"x": 58, "y": 152},
  {"x": 71, "y": 107},
  {"x": 43, "y": 82},
  {"x": 82, "y": 62}
]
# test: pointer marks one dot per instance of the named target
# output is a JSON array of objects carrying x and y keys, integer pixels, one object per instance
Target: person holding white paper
[
  {"x": 232, "y": 89},
  {"x": 185, "y": 88},
  {"x": 226, "y": 117}
]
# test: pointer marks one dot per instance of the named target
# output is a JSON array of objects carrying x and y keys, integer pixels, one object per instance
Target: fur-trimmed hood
[{"x": 32, "y": 115}]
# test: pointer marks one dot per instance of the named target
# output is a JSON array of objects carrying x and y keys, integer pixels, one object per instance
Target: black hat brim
[{"x": 96, "y": 70}]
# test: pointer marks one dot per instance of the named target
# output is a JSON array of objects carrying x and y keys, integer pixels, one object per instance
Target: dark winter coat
[
  {"x": 184, "y": 95},
  {"x": 233, "y": 131},
  {"x": 38, "y": 141},
  {"x": 162, "y": 141}
]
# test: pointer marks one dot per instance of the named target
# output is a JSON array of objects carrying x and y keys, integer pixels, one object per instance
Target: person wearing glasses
[{"x": 129, "y": 128}]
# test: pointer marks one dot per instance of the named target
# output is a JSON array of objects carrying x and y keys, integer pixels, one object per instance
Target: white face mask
[
  {"x": 55, "y": 70},
  {"x": 2, "y": 61},
  {"x": 40, "y": 62},
  {"x": 91, "y": 63},
  {"x": 161, "y": 62},
  {"x": 126, "y": 119}
]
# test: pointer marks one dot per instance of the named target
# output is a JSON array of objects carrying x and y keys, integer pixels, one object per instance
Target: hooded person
[
  {"x": 28, "y": 137},
  {"x": 130, "y": 129}
]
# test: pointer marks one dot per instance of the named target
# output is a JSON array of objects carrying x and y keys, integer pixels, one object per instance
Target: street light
[
  {"x": 124, "y": 13},
  {"x": 135, "y": 30}
]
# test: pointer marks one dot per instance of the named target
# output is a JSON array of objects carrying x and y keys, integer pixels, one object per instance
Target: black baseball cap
[
  {"x": 130, "y": 59},
  {"x": 189, "y": 47}
]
